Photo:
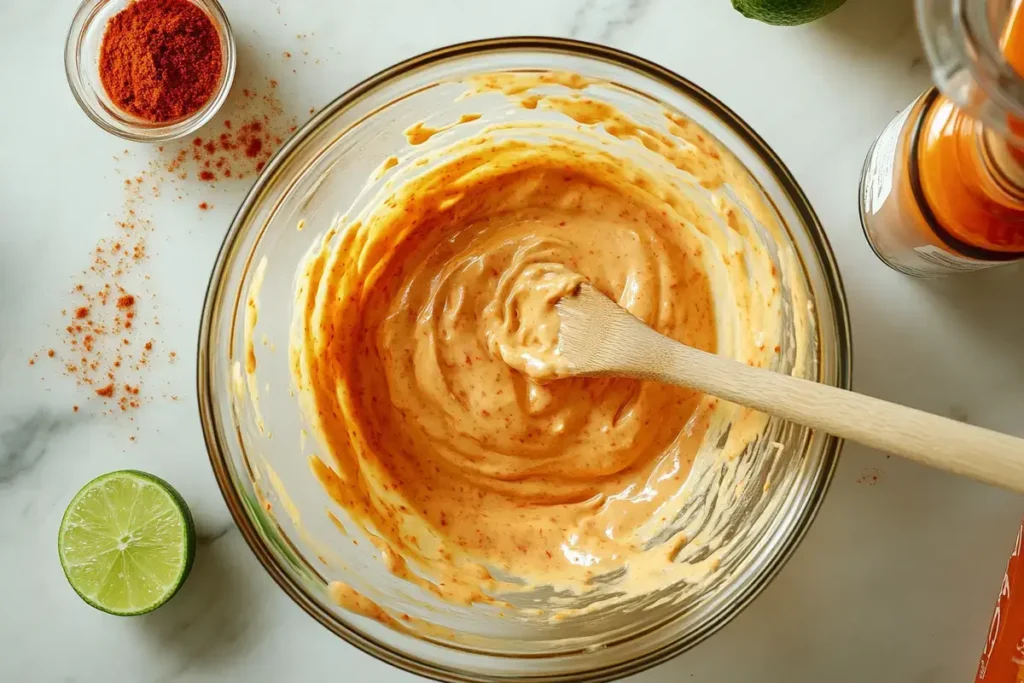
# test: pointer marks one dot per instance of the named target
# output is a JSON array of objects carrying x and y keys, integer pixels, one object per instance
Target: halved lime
[{"x": 126, "y": 542}]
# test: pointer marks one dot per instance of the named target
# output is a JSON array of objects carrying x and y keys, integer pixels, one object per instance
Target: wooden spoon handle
[{"x": 940, "y": 442}]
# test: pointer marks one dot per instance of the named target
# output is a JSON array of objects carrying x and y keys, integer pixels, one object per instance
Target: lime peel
[{"x": 786, "y": 12}]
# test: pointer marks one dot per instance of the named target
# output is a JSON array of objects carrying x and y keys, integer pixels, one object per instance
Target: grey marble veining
[
  {"x": 208, "y": 537},
  {"x": 601, "y": 20},
  {"x": 25, "y": 440}
]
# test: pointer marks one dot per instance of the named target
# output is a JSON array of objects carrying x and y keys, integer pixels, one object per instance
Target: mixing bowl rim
[{"x": 213, "y": 432}]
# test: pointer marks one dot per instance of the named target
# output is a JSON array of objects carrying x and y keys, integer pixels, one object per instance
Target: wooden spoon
[{"x": 598, "y": 337}]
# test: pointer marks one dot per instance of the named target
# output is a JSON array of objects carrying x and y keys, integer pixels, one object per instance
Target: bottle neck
[
  {"x": 976, "y": 51},
  {"x": 1003, "y": 164},
  {"x": 967, "y": 181},
  {"x": 971, "y": 153}
]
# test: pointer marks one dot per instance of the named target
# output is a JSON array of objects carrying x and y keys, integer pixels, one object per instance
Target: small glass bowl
[{"x": 81, "y": 63}]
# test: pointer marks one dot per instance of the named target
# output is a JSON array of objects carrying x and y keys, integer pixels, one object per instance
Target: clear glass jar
[{"x": 943, "y": 186}]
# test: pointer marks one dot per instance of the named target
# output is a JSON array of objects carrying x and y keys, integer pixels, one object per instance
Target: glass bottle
[{"x": 943, "y": 185}]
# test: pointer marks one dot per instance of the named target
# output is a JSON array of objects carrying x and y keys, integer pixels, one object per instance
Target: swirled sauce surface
[{"x": 424, "y": 324}]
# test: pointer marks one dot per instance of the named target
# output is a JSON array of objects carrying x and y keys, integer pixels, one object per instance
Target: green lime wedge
[{"x": 126, "y": 542}]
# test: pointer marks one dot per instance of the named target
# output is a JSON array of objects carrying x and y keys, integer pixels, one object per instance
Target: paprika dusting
[{"x": 161, "y": 60}]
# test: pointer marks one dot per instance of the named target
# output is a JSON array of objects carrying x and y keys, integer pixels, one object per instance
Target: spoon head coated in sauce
[{"x": 599, "y": 337}]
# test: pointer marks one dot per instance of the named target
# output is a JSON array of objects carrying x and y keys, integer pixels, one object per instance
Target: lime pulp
[{"x": 126, "y": 542}]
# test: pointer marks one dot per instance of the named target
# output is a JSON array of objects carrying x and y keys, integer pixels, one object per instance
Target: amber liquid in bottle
[{"x": 942, "y": 192}]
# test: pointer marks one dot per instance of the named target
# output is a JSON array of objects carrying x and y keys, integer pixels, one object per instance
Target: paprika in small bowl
[{"x": 150, "y": 70}]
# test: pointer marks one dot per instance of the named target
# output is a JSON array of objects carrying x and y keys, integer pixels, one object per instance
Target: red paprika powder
[{"x": 160, "y": 60}]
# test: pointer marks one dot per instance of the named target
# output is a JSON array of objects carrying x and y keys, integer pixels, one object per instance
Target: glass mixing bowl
[{"x": 257, "y": 436}]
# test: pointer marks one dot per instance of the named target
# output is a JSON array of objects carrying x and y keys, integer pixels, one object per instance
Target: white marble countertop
[{"x": 895, "y": 581}]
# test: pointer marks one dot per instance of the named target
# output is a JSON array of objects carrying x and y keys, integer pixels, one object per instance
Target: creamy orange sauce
[
  {"x": 347, "y": 597},
  {"x": 423, "y": 323},
  {"x": 418, "y": 133},
  {"x": 520, "y": 323}
]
